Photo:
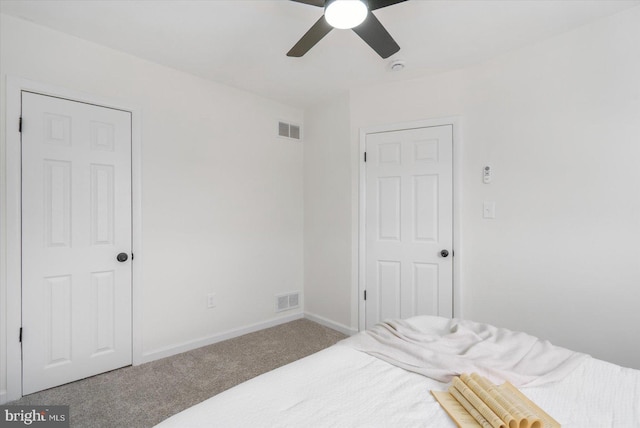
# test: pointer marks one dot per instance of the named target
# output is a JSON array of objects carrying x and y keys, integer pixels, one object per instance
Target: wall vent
[
  {"x": 284, "y": 302},
  {"x": 289, "y": 130},
  {"x": 293, "y": 300}
]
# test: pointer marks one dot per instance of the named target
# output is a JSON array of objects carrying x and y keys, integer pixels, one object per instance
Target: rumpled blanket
[{"x": 441, "y": 348}]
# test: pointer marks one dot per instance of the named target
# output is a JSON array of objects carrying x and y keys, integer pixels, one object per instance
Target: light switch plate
[{"x": 489, "y": 209}]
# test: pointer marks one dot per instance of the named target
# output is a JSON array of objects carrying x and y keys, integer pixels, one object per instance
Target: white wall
[
  {"x": 559, "y": 121},
  {"x": 223, "y": 198},
  {"x": 222, "y": 194},
  {"x": 327, "y": 242}
]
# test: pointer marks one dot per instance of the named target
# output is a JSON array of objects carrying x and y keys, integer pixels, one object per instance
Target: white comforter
[
  {"x": 441, "y": 348},
  {"x": 343, "y": 387}
]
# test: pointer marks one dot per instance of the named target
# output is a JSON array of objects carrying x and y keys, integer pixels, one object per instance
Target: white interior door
[
  {"x": 76, "y": 219},
  {"x": 409, "y": 223}
]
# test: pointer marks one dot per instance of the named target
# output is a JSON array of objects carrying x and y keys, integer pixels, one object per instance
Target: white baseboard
[
  {"x": 331, "y": 324},
  {"x": 169, "y": 351}
]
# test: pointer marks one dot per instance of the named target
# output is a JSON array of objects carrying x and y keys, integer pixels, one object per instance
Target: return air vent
[
  {"x": 284, "y": 302},
  {"x": 289, "y": 130}
]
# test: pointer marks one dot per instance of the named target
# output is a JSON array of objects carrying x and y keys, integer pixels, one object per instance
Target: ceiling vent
[{"x": 289, "y": 130}]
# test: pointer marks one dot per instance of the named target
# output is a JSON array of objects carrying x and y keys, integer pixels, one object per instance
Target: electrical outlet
[{"x": 211, "y": 300}]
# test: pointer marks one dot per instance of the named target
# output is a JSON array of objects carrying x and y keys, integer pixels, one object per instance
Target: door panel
[
  {"x": 76, "y": 217},
  {"x": 389, "y": 209},
  {"x": 409, "y": 220}
]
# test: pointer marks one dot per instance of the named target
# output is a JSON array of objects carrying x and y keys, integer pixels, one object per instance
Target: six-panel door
[
  {"x": 409, "y": 221},
  {"x": 76, "y": 218}
]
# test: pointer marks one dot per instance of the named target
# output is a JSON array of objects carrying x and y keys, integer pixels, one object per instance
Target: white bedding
[
  {"x": 441, "y": 348},
  {"x": 343, "y": 387}
]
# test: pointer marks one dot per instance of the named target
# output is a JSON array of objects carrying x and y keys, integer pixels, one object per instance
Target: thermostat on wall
[{"x": 486, "y": 174}]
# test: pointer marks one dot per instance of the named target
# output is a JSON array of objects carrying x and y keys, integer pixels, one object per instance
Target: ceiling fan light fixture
[{"x": 345, "y": 14}]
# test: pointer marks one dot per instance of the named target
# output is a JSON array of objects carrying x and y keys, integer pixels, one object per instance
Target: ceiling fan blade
[
  {"x": 375, "y": 35},
  {"x": 379, "y": 4},
  {"x": 319, "y": 3},
  {"x": 320, "y": 29}
]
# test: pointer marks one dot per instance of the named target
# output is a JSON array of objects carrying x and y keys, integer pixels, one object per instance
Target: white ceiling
[{"x": 243, "y": 43}]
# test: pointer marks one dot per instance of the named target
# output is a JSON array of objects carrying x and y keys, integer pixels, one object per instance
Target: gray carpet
[{"x": 144, "y": 395}]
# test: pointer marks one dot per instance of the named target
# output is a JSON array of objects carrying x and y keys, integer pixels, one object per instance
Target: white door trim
[
  {"x": 454, "y": 121},
  {"x": 12, "y": 239}
]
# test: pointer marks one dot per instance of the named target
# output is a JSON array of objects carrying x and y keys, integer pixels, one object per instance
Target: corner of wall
[{"x": 327, "y": 210}]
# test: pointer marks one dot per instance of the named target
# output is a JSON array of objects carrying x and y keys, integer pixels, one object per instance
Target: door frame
[
  {"x": 12, "y": 239},
  {"x": 455, "y": 123}
]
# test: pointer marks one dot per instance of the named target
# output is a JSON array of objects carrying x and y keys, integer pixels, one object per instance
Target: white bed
[{"x": 344, "y": 387}]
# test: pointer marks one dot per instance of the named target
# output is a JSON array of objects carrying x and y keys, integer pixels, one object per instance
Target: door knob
[
  {"x": 122, "y": 257},
  {"x": 444, "y": 253}
]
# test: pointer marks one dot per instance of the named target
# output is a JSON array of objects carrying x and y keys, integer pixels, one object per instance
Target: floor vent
[
  {"x": 289, "y": 130},
  {"x": 284, "y": 302}
]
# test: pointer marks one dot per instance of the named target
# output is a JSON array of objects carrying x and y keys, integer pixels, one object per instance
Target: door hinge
[
  {"x": 131, "y": 256},
  {"x": 365, "y": 156},
  {"x": 20, "y": 335},
  {"x": 20, "y": 125},
  {"x": 365, "y": 294}
]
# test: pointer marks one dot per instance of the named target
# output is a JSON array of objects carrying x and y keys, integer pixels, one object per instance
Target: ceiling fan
[{"x": 349, "y": 14}]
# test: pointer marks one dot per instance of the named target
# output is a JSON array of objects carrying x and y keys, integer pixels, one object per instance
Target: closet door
[
  {"x": 409, "y": 223},
  {"x": 76, "y": 240}
]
